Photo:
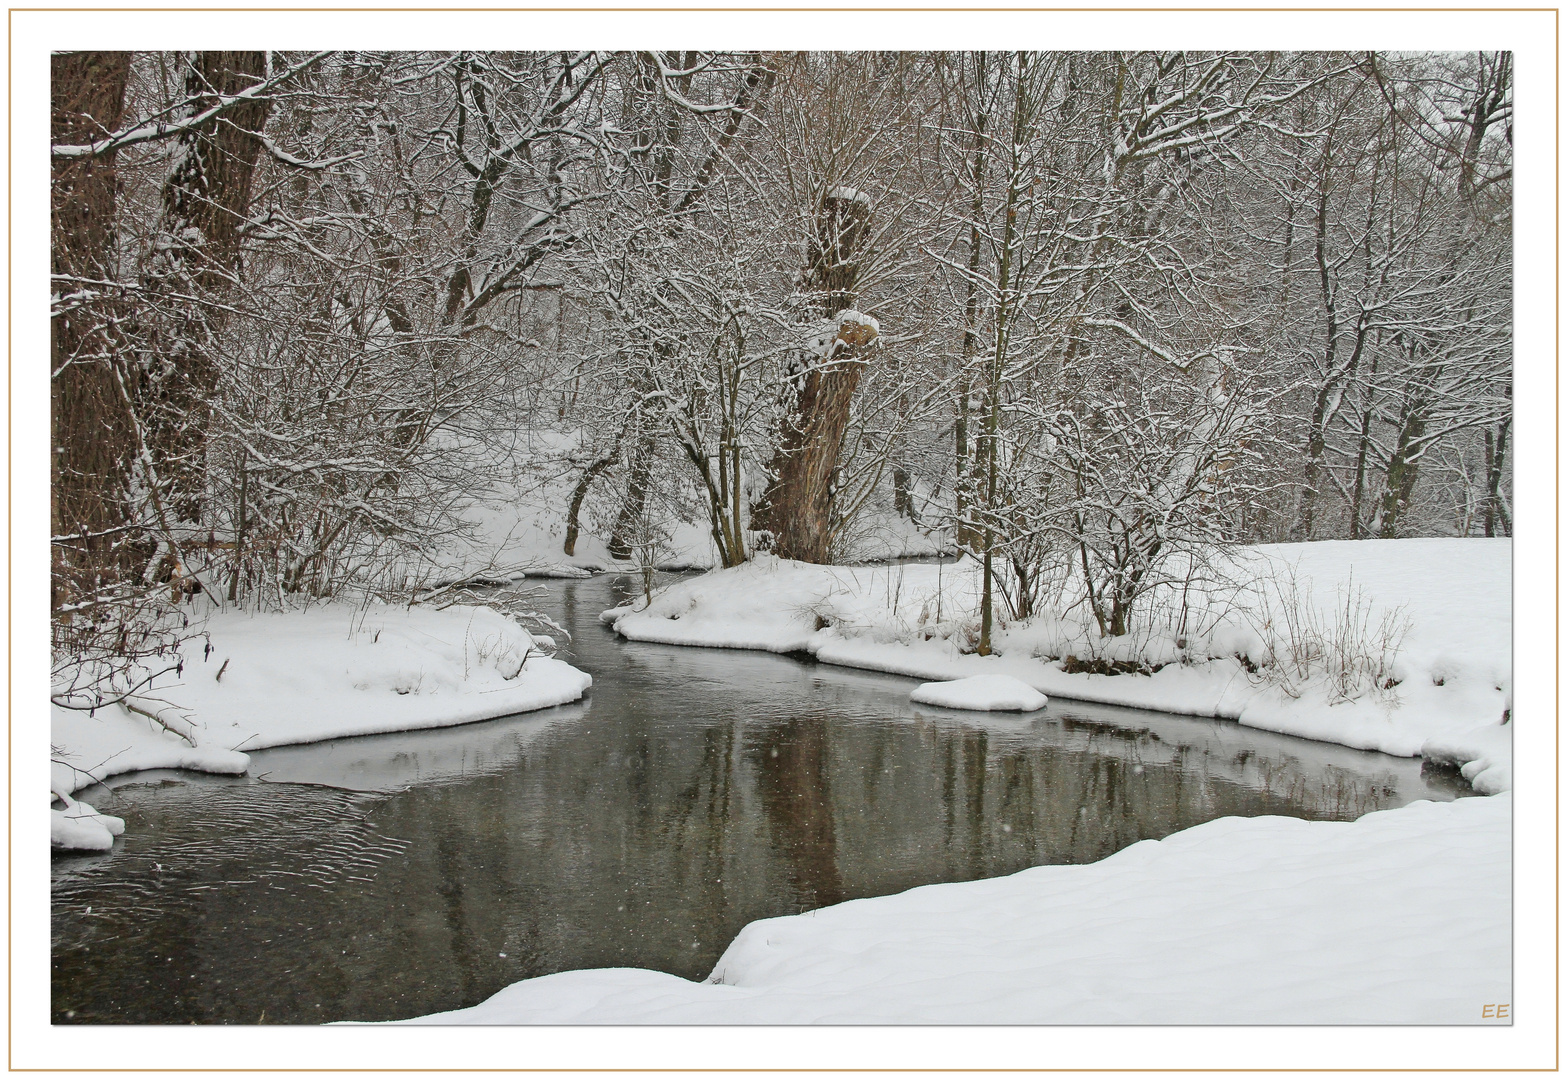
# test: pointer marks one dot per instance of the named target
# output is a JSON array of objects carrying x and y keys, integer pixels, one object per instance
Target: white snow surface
[
  {"x": 516, "y": 526},
  {"x": 981, "y": 693},
  {"x": 849, "y": 194},
  {"x": 1484, "y": 755},
  {"x": 1266, "y": 920},
  {"x": 850, "y": 317},
  {"x": 306, "y": 676},
  {"x": 1454, "y": 669},
  {"x": 78, "y": 826}
]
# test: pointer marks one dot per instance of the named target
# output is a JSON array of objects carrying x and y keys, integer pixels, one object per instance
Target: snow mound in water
[{"x": 981, "y": 693}]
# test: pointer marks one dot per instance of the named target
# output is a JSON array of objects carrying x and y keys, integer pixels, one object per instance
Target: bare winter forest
[{"x": 1077, "y": 314}]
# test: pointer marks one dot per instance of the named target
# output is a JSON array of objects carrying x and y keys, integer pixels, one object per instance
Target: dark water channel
[{"x": 696, "y": 790}]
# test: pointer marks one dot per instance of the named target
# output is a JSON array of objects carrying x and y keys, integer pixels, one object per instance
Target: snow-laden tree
[
  {"x": 847, "y": 176},
  {"x": 677, "y": 275},
  {"x": 389, "y": 290},
  {"x": 1083, "y": 314},
  {"x": 1088, "y": 268}
]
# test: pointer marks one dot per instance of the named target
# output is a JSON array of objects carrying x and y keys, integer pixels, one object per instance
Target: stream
[{"x": 693, "y": 791}]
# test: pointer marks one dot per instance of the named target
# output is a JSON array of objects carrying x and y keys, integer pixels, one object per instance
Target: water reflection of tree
[
  {"x": 637, "y": 837},
  {"x": 793, "y": 781}
]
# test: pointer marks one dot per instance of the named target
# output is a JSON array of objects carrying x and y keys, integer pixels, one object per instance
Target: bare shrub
[{"x": 1350, "y": 647}]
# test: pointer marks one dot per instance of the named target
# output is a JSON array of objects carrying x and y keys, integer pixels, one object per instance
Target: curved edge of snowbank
[
  {"x": 1484, "y": 755},
  {"x": 662, "y": 632},
  {"x": 1217, "y": 689},
  {"x": 549, "y": 683},
  {"x": 888, "y": 619},
  {"x": 303, "y": 677},
  {"x": 97, "y": 746},
  {"x": 1279, "y": 920},
  {"x": 80, "y": 827}
]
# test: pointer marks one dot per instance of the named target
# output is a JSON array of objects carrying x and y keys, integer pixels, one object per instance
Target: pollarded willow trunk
[
  {"x": 91, "y": 440},
  {"x": 799, "y": 504},
  {"x": 195, "y": 264},
  {"x": 802, "y": 501}
]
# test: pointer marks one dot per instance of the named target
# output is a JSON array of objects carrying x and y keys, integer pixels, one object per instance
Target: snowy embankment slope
[
  {"x": 1240, "y": 920},
  {"x": 298, "y": 677},
  {"x": 1453, "y": 670}
]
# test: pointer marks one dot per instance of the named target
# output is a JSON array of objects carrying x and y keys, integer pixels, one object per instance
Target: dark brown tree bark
[
  {"x": 799, "y": 503},
  {"x": 802, "y": 501},
  {"x": 196, "y": 262},
  {"x": 1403, "y": 469},
  {"x": 91, "y": 441},
  {"x": 623, "y": 537}
]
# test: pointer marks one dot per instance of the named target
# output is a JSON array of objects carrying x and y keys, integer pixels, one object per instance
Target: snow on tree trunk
[
  {"x": 803, "y": 499},
  {"x": 799, "y": 505}
]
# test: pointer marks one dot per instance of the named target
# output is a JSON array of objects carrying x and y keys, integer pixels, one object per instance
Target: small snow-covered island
[{"x": 762, "y": 538}]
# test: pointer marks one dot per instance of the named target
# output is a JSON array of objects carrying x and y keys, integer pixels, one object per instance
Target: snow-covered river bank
[
  {"x": 1432, "y": 617},
  {"x": 693, "y": 793}
]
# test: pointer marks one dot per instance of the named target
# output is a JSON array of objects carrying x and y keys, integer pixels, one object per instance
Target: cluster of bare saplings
[{"x": 1076, "y": 313}]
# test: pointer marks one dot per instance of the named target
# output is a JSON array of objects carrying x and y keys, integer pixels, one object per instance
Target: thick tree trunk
[
  {"x": 195, "y": 264},
  {"x": 799, "y": 504},
  {"x": 91, "y": 440},
  {"x": 1403, "y": 469},
  {"x": 1362, "y": 453}
]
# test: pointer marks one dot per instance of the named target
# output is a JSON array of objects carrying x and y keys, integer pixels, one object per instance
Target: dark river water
[{"x": 694, "y": 791}]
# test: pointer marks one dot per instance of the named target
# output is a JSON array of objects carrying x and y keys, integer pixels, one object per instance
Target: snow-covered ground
[
  {"x": 1238, "y": 921},
  {"x": 299, "y": 677},
  {"x": 1452, "y": 677},
  {"x": 517, "y": 528}
]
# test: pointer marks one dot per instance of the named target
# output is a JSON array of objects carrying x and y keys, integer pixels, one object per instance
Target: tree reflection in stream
[{"x": 695, "y": 791}]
